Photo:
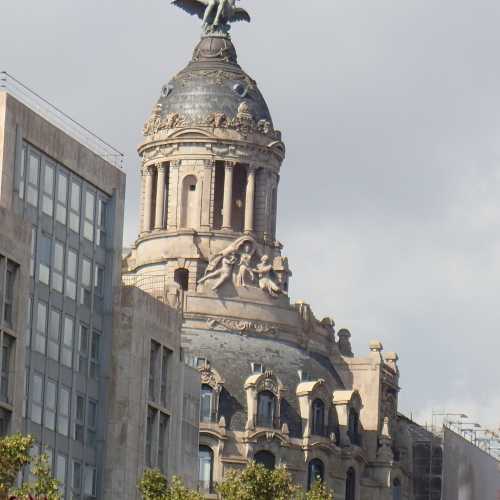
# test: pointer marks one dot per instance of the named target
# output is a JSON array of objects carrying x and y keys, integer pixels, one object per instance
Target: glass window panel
[
  {"x": 44, "y": 246},
  {"x": 33, "y": 176},
  {"x": 36, "y": 399},
  {"x": 63, "y": 412},
  {"x": 54, "y": 328},
  {"x": 48, "y": 190},
  {"x": 67, "y": 347},
  {"x": 49, "y": 419},
  {"x": 22, "y": 173},
  {"x": 61, "y": 470},
  {"x": 77, "y": 476},
  {"x": 90, "y": 481},
  {"x": 83, "y": 357},
  {"x": 89, "y": 205},
  {"x": 33, "y": 250},
  {"x": 71, "y": 272},
  {"x": 58, "y": 267},
  {"x": 86, "y": 272},
  {"x": 62, "y": 195},
  {"x": 41, "y": 328},
  {"x": 75, "y": 197}
]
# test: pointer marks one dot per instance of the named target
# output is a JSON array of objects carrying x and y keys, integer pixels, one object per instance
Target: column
[
  {"x": 206, "y": 194},
  {"x": 160, "y": 196},
  {"x": 250, "y": 199},
  {"x": 148, "y": 198},
  {"x": 227, "y": 205}
]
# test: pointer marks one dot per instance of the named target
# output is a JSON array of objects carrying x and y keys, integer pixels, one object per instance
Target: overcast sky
[{"x": 389, "y": 203}]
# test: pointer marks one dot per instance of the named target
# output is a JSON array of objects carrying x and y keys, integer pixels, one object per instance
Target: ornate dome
[{"x": 212, "y": 83}]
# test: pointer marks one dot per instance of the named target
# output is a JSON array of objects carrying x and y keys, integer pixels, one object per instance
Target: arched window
[
  {"x": 266, "y": 458},
  {"x": 207, "y": 413},
  {"x": 189, "y": 204},
  {"x": 316, "y": 472},
  {"x": 181, "y": 276},
  {"x": 396, "y": 490},
  {"x": 354, "y": 434},
  {"x": 266, "y": 409},
  {"x": 206, "y": 474},
  {"x": 350, "y": 485},
  {"x": 318, "y": 417}
]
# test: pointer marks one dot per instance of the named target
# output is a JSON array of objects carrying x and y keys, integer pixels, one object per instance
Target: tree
[
  {"x": 154, "y": 486},
  {"x": 44, "y": 487},
  {"x": 14, "y": 455},
  {"x": 256, "y": 482}
]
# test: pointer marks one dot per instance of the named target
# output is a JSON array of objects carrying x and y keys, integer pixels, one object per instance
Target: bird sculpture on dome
[{"x": 216, "y": 14}]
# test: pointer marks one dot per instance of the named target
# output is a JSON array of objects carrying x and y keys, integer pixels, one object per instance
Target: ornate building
[{"x": 278, "y": 386}]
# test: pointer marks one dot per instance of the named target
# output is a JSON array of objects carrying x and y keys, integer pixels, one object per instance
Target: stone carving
[
  {"x": 264, "y": 270},
  {"x": 220, "y": 268},
  {"x": 245, "y": 269},
  {"x": 344, "y": 343},
  {"x": 243, "y": 122},
  {"x": 242, "y": 326},
  {"x": 216, "y": 14},
  {"x": 221, "y": 274}
]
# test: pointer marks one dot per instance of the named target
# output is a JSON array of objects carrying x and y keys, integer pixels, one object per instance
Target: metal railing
[
  {"x": 154, "y": 285},
  {"x": 60, "y": 119}
]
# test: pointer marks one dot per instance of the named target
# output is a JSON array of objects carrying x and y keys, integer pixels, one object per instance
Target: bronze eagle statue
[{"x": 214, "y": 13}]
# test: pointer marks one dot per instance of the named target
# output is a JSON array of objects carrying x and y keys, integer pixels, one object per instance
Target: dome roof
[{"x": 212, "y": 82}]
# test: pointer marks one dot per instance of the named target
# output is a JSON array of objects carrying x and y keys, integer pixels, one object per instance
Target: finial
[{"x": 216, "y": 14}]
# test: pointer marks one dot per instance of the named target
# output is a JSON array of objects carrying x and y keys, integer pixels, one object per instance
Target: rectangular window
[
  {"x": 29, "y": 317},
  {"x": 153, "y": 369},
  {"x": 4, "y": 422},
  {"x": 95, "y": 353},
  {"x": 6, "y": 360},
  {"x": 101, "y": 223},
  {"x": 67, "y": 342},
  {"x": 80, "y": 418},
  {"x": 22, "y": 172},
  {"x": 91, "y": 422},
  {"x": 33, "y": 179},
  {"x": 71, "y": 273},
  {"x": 90, "y": 481},
  {"x": 163, "y": 443},
  {"x": 77, "y": 476},
  {"x": 33, "y": 251},
  {"x": 44, "y": 246},
  {"x": 83, "y": 348},
  {"x": 49, "y": 413},
  {"x": 36, "y": 399},
  {"x": 150, "y": 432},
  {"x": 54, "y": 335},
  {"x": 63, "y": 411},
  {"x": 75, "y": 202},
  {"x": 61, "y": 464},
  {"x": 10, "y": 282},
  {"x": 86, "y": 282},
  {"x": 164, "y": 377},
  {"x": 62, "y": 198},
  {"x": 88, "y": 224},
  {"x": 58, "y": 267},
  {"x": 48, "y": 189},
  {"x": 41, "y": 328}
]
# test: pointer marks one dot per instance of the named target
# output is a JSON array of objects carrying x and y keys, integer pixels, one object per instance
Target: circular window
[{"x": 240, "y": 89}]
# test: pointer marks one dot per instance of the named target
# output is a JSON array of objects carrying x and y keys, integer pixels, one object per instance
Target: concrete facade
[
  {"x": 278, "y": 385},
  {"x": 152, "y": 387}
]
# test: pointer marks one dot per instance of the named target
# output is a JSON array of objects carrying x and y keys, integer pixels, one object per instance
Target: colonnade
[{"x": 156, "y": 192}]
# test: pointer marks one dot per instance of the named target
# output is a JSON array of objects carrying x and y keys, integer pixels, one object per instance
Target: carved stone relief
[
  {"x": 236, "y": 263},
  {"x": 242, "y": 326}
]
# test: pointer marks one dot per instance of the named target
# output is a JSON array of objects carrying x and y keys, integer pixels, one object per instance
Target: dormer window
[
  {"x": 353, "y": 428},
  {"x": 208, "y": 412},
  {"x": 266, "y": 409},
  {"x": 318, "y": 417},
  {"x": 257, "y": 368}
]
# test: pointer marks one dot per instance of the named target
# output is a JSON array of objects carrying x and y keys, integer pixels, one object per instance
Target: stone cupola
[{"x": 210, "y": 167}]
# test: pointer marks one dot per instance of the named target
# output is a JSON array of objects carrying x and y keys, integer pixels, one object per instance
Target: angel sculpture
[{"x": 215, "y": 13}]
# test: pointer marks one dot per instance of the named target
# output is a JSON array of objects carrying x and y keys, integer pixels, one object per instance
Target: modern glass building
[{"x": 73, "y": 200}]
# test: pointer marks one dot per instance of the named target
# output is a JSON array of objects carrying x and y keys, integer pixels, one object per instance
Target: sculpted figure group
[{"x": 221, "y": 269}]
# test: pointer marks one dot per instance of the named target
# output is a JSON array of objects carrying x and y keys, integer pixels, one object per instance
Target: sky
[{"x": 389, "y": 201}]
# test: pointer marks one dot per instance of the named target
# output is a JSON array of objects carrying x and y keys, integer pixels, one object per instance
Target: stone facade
[{"x": 278, "y": 385}]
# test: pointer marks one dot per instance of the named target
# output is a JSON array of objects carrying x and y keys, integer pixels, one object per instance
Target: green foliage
[
  {"x": 14, "y": 454},
  {"x": 154, "y": 486},
  {"x": 258, "y": 483},
  {"x": 44, "y": 486}
]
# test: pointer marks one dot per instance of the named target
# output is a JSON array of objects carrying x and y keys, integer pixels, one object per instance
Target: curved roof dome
[{"x": 212, "y": 82}]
